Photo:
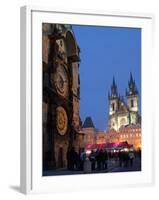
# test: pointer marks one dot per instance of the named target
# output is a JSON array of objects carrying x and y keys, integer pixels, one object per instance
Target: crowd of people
[
  {"x": 126, "y": 158},
  {"x": 98, "y": 159}
]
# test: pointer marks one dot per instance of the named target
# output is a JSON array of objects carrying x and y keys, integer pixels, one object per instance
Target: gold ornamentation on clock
[{"x": 61, "y": 120}]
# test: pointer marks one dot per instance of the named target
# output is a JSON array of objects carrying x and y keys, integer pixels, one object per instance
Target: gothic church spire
[
  {"x": 114, "y": 90},
  {"x": 132, "y": 90}
]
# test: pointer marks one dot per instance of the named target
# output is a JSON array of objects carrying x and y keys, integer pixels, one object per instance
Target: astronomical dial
[
  {"x": 61, "y": 120},
  {"x": 60, "y": 80}
]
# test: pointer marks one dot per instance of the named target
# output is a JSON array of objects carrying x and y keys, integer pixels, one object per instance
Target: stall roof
[{"x": 108, "y": 145}]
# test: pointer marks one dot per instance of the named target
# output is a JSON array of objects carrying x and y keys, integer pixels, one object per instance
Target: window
[
  {"x": 113, "y": 106},
  {"x": 122, "y": 122},
  {"x": 132, "y": 103}
]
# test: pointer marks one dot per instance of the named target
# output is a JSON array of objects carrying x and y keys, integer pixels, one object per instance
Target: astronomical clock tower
[{"x": 61, "y": 94}]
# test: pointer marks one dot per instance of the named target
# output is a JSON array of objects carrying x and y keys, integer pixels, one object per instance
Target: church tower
[
  {"x": 132, "y": 100},
  {"x": 113, "y": 98},
  {"x": 113, "y": 106}
]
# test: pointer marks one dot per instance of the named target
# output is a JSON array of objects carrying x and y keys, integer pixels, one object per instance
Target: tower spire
[
  {"x": 131, "y": 78},
  {"x": 114, "y": 90},
  {"x": 132, "y": 90},
  {"x": 132, "y": 99},
  {"x": 114, "y": 82}
]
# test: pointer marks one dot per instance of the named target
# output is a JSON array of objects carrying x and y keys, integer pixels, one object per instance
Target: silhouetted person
[
  {"x": 72, "y": 158},
  {"x": 131, "y": 158},
  {"x": 98, "y": 159},
  {"x": 102, "y": 159},
  {"x": 120, "y": 158},
  {"x": 105, "y": 159},
  {"x": 92, "y": 158},
  {"x": 68, "y": 159},
  {"x": 125, "y": 158},
  {"x": 82, "y": 159},
  {"x": 76, "y": 161}
]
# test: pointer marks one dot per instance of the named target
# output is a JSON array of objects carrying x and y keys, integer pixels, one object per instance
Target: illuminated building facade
[
  {"x": 130, "y": 133},
  {"x": 124, "y": 122},
  {"x": 62, "y": 128},
  {"x": 121, "y": 112}
]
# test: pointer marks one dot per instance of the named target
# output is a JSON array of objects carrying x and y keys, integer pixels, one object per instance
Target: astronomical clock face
[
  {"x": 61, "y": 120},
  {"x": 60, "y": 80}
]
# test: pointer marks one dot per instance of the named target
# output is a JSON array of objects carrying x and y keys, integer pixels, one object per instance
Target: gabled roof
[{"x": 88, "y": 123}]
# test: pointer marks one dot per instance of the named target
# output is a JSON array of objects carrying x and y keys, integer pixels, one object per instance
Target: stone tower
[
  {"x": 123, "y": 111},
  {"x": 132, "y": 100},
  {"x": 61, "y": 93},
  {"x": 113, "y": 106},
  {"x": 113, "y": 98}
]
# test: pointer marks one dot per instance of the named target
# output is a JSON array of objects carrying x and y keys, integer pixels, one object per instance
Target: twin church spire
[
  {"x": 123, "y": 111},
  {"x": 114, "y": 90},
  {"x": 132, "y": 89}
]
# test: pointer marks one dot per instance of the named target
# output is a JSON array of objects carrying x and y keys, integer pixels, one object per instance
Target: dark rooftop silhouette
[{"x": 88, "y": 123}]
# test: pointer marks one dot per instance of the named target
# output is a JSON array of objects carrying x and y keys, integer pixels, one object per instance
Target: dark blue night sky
[{"x": 106, "y": 52}]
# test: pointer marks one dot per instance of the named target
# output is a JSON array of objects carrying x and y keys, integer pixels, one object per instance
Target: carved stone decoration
[{"x": 61, "y": 120}]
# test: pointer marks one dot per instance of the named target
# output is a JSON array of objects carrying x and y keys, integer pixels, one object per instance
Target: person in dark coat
[
  {"x": 68, "y": 159},
  {"x": 72, "y": 158},
  {"x": 92, "y": 158},
  {"x": 102, "y": 159},
  {"x": 120, "y": 158},
  {"x": 98, "y": 159},
  {"x": 126, "y": 158},
  {"x": 82, "y": 159},
  {"x": 131, "y": 158},
  {"x": 105, "y": 159}
]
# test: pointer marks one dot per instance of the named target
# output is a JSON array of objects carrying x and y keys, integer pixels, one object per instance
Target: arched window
[
  {"x": 122, "y": 122},
  {"x": 132, "y": 103},
  {"x": 71, "y": 46},
  {"x": 113, "y": 106}
]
